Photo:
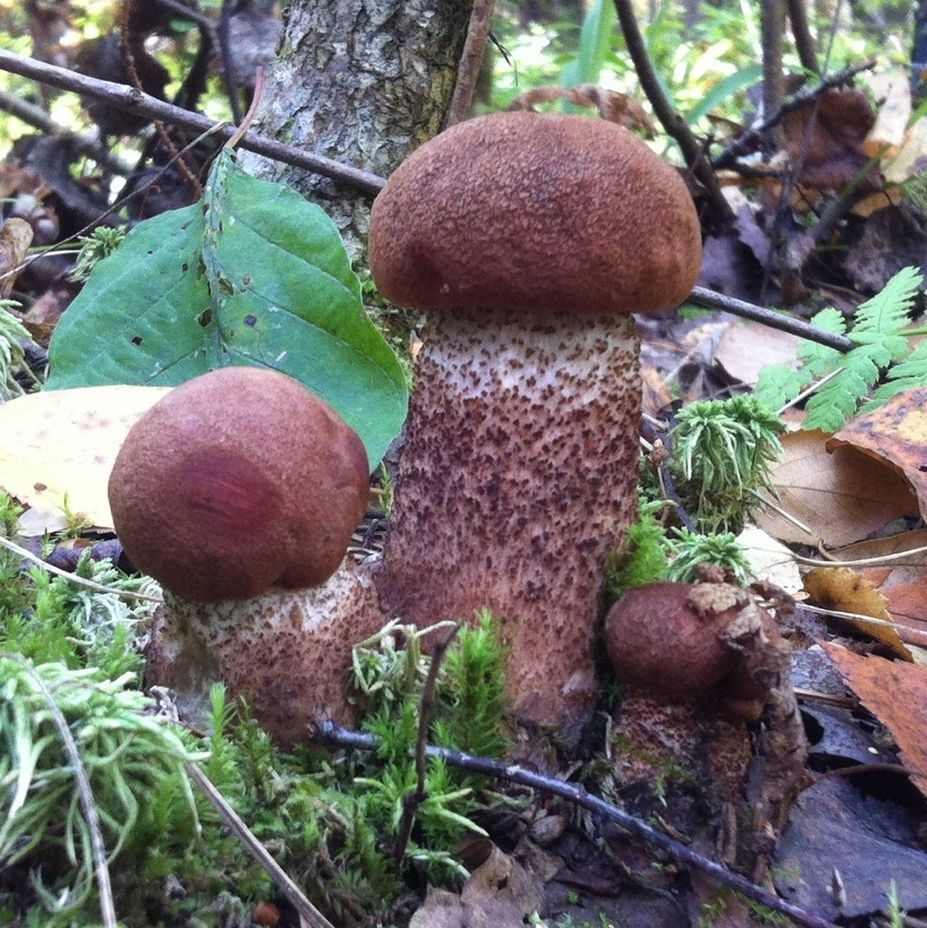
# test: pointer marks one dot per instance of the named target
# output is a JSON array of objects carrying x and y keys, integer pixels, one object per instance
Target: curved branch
[
  {"x": 671, "y": 121},
  {"x": 134, "y": 101}
]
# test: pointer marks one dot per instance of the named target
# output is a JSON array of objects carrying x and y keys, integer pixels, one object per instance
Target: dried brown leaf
[
  {"x": 895, "y": 435},
  {"x": 613, "y": 106},
  {"x": 826, "y": 137},
  {"x": 841, "y": 497},
  {"x": 15, "y": 239}
]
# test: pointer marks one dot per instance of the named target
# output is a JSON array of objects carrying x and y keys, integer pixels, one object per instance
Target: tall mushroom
[
  {"x": 239, "y": 492},
  {"x": 529, "y": 239}
]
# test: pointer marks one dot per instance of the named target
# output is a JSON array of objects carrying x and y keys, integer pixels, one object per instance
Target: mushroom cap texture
[
  {"x": 238, "y": 481},
  {"x": 657, "y": 639},
  {"x": 515, "y": 211}
]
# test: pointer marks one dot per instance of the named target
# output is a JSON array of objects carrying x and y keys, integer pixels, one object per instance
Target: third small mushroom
[{"x": 529, "y": 240}]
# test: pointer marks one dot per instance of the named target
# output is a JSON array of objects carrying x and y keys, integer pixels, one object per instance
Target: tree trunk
[{"x": 360, "y": 81}]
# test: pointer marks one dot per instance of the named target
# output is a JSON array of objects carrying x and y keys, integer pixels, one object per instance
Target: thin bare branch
[
  {"x": 471, "y": 60},
  {"x": 772, "y": 25},
  {"x": 671, "y": 121},
  {"x": 801, "y": 32},
  {"x": 132, "y": 100},
  {"x": 335, "y": 736},
  {"x": 413, "y": 800},
  {"x": 705, "y": 297}
]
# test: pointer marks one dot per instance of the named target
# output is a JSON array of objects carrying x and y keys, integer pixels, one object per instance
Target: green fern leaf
[
  {"x": 819, "y": 360},
  {"x": 887, "y": 311},
  {"x": 910, "y": 373},
  {"x": 838, "y": 399},
  {"x": 877, "y": 332},
  {"x": 779, "y": 384}
]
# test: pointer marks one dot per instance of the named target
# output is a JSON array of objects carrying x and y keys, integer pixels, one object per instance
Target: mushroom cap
[
  {"x": 238, "y": 481},
  {"x": 516, "y": 211},
  {"x": 658, "y": 639}
]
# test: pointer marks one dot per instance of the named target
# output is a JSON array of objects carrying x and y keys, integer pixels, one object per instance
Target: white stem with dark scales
[
  {"x": 287, "y": 651},
  {"x": 517, "y": 479}
]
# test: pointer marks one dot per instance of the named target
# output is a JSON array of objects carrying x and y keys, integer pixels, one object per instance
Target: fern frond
[
  {"x": 887, "y": 311},
  {"x": 877, "y": 332},
  {"x": 779, "y": 384},
  {"x": 910, "y": 373}
]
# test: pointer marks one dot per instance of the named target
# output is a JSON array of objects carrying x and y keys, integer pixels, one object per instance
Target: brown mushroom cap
[
  {"x": 519, "y": 211},
  {"x": 657, "y": 638},
  {"x": 238, "y": 481}
]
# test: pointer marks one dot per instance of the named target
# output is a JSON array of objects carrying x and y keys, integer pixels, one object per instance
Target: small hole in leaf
[
  {"x": 205, "y": 318},
  {"x": 250, "y": 321},
  {"x": 246, "y": 280},
  {"x": 185, "y": 267},
  {"x": 136, "y": 340},
  {"x": 150, "y": 251}
]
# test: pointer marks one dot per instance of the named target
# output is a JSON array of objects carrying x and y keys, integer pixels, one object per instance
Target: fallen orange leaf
[{"x": 896, "y": 694}]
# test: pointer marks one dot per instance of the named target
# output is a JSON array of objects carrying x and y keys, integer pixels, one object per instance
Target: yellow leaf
[
  {"x": 57, "y": 448},
  {"x": 844, "y": 590}
]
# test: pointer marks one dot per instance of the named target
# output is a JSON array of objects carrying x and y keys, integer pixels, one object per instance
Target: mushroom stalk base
[
  {"x": 517, "y": 479},
  {"x": 287, "y": 651}
]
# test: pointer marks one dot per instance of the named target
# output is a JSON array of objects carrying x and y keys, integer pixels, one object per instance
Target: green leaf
[
  {"x": 723, "y": 89},
  {"x": 594, "y": 41},
  {"x": 256, "y": 276}
]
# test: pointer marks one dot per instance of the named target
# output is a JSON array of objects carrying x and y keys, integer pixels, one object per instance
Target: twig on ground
[
  {"x": 704, "y": 297},
  {"x": 132, "y": 100},
  {"x": 411, "y": 801},
  {"x": 85, "y": 143},
  {"x": 471, "y": 60},
  {"x": 84, "y": 794},
  {"x": 671, "y": 121},
  {"x": 918, "y": 633},
  {"x": 334, "y": 735},
  {"x": 741, "y": 145},
  {"x": 291, "y": 892},
  {"x": 27, "y": 555}
]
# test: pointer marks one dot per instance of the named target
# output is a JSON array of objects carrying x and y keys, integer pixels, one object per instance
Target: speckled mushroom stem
[
  {"x": 517, "y": 478},
  {"x": 287, "y": 651}
]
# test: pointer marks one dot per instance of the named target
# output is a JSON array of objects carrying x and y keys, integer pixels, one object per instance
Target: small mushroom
[
  {"x": 700, "y": 666},
  {"x": 671, "y": 638},
  {"x": 529, "y": 239},
  {"x": 238, "y": 492}
]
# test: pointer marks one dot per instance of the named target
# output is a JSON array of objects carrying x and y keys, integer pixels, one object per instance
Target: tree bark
[{"x": 362, "y": 81}]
